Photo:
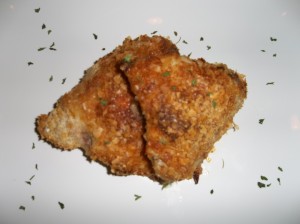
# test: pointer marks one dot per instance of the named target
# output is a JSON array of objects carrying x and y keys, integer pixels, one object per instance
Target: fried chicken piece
[
  {"x": 100, "y": 114},
  {"x": 188, "y": 105}
]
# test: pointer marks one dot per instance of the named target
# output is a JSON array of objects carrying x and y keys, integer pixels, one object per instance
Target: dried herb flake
[
  {"x": 274, "y": 55},
  {"x": 127, "y": 58},
  {"x": 29, "y": 63},
  {"x": 211, "y": 191},
  {"x": 270, "y": 83},
  {"x": 32, "y": 197},
  {"x": 137, "y": 197},
  {"x": 194, "y": 82},
  {"x": 61, "y": 205},
  {"x": 103, "y": 102},
  {"x": 166, "y": 74},
  {"x": 208, "y": 47},
  {"x": 184, "y": 42},
  {"x": 36, "y": 166},
  {"x": 278, "y": 179},
  {"x": 154, "y": 32},
  {"x": 175, "y": 33},
  {"x": 95, "y": 36},
  {"x": 262, "y": 50},
  {"x": 49, "y": 31},
  {"x": 201, "y": 38},
  {"x": 22, "y": 208},
  {"x": 280, "y": 169},
  {"x": 263, "y": 178},
  {"x": 37, "y": 10},
  {"x": 261, "y": 185},
  {"x": 63, "y": 81},
  {"x": 214, "y": 104},
  {"x": 28, "y": 182},
  {"x": 273, "y": 39},
  {"x": 33, "y": 146},
  {"x": 43, "y": 26},
  {"x": 261, "y": 121},
  {"x": 41, "y": 48},
  {"x": 51, "y": 78},
  {"x": 189, "y": 55},
  {"x": 32, "y": 177}
]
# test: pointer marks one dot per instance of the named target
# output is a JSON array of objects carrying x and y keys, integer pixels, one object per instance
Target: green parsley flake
[
  {"x": 49, "y": 31},
  {"x": 103, "y": 49},
  {"x": 41, "y": 48},
  {"x": 261, "y": 121},
  {"x": 184, "y": 42},
  {"x": 37, "y": 10},
  {"x": 137, "y": 197},
  {"x": 194, "y": 82},
  {"x": 63, "y": 81},
  {"x": 43, "y": 26},
  {"x": 22, "y": 208},
  {"x": 263, "y": 178},
  {"x": 95, "y": 36},
  {"x": 154, "y": 32},
  {"x": 201, "y": 38},
  {"x": 61, "y": 205},
  {"x": 273, "y": 39},
  {"x": 175, "y": 33},
  {"x": 261, "y": 185},
  {"x": 270, "y": 83},
  {"x": 274, "y": 55},
  {"x": 268, "y": 185},
  {"x": 166, "y": 74},
  {"x": 103, "y": 102},
  {"x": 211, "y": 191},
  {"x": 262, "y": 50},
  {"x": 189, "y": 55},
  {"x": 29, "y": 63},
  {"x": 166, "y": 185},
  {"x": 51, "y": 78},
  {"x": 280, "y": 169},
  {"x": 278, "y": 179},
  {"x": 214, "y": 104},
  {"x": 32, "y": 197},
  {"x": 36, "y": 166},
  {"x": 127, "y": 58},
  {"x": 32, "y": 177},
  {"x": 33, "y": 146},
  {"x": 28, "y": 182},
  {"x": 208, "y": 47}
]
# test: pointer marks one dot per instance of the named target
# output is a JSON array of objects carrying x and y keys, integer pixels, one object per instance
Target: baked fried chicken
[
  {"x": 188, "y": 105},
  {"x": 100, "y": 114}
]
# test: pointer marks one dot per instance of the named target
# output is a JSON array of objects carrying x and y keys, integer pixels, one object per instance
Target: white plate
[{"x": 236, "y": 31}]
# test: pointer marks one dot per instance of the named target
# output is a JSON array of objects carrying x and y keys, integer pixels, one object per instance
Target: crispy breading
[
  {"x": 100, "y": 114},
  {"x": 188, "y": 105}
]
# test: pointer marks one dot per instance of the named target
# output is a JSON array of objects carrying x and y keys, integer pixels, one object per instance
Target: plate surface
[{"x": 257, "y": 38}]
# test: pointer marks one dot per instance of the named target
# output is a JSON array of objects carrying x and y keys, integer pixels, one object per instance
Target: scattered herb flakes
[
  {"x": 51, "y": 78},
  {"x": 127, "y": 58},
  {"x": 262, "y": 50},
  {"x": 261, "y": 121},
  {"x": 43, "y": 26},
  {"x": 211, "y": 191},
  {"x": 273, "y": 39},
  {"x": 41, "y": 48},
  {"x": 261, "y": 185},
  {"x": 166, "y": 74},
  {"x": 36, "y": 166},
  {"x": 280, "y": 169},
  {"x": 270, "y": 83},
  {"x": 268, "y": 185},
  {"x": 175, "y": 33},
  {"x": 49, "y": 31},
  {"x": 28, "y": 182},
  {"x": 33, "y": 197},
  {"x": 178, "y": 40},
  {"x": 103, "y": 102},
  {"x": 22, "y": 208},
  {"x": 194, "y": 82},
  {"x": 263, "y": 178},
  {"x": 137, "y": 197},
  {"x": 201, "y": 39},
  {"x": 95, "y": 36},
  {"x": 154, "y": 32},
  {"x": 184, "y": 42},
  {"x": 214, "y": 104},
  {"x": 52, "y": 45},
  {"x": 29, "y": 63},
  {"x": 61, "y": 205},
  {"x": 37, "y": 10},
  {"x": 33, "y": 146},
  {"x": 63, "y": 81},
  {"x": 278, "y": 179},
  {"x": 208, "y": 47},
  {"x": 103, "y": 49},
  {"x": 189, "y": 55},
  {"x": 274, "y": 55}
]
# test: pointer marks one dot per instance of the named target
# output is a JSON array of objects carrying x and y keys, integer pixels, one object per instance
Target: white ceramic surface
[{"x": 236, "y": 31}]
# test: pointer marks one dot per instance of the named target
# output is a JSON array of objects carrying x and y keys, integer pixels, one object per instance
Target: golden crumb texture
[{"x": 144, "y": 109}]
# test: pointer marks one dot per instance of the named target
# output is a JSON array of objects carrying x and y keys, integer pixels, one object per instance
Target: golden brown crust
[
  {"x": 100, "y": 114},
  {"x": 188, "y": 105}
]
